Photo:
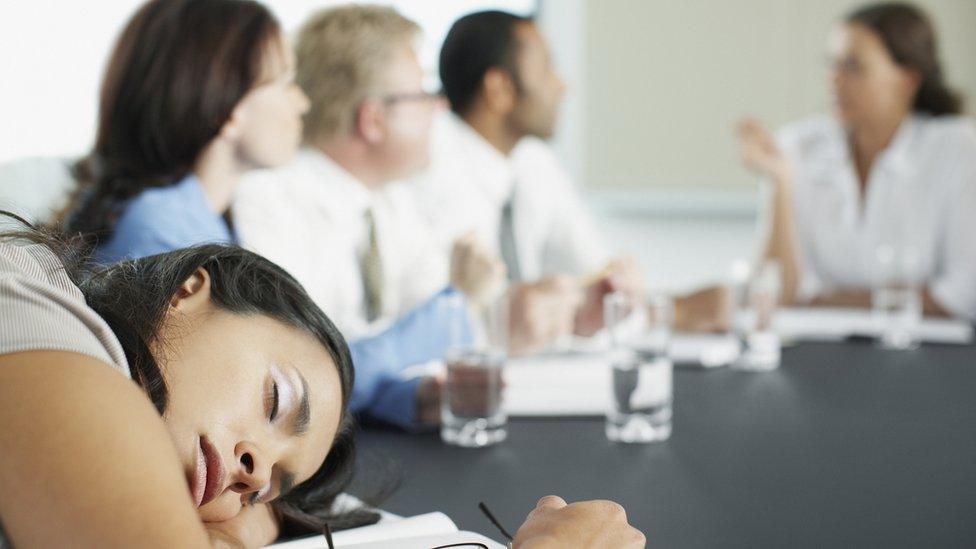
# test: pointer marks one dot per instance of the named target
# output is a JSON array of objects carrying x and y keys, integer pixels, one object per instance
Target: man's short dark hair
[{"x": 475, "y": 44}]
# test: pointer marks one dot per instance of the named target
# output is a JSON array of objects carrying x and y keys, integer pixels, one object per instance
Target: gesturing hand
[{"x": 760, "y": 152}]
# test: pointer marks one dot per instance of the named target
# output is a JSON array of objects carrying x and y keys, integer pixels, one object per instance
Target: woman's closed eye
[
  {"x": 271, "y": 401},
  {"x": 280, "y": 394}
]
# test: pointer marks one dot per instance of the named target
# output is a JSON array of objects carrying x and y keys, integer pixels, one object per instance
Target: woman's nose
[{"x": 252, "y": 471}]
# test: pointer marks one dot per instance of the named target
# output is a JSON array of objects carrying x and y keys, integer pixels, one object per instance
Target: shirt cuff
[{"x": 395, "y": 402}]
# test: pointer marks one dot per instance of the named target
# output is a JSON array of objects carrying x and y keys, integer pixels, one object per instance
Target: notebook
[{"x": 419, "y": 532}]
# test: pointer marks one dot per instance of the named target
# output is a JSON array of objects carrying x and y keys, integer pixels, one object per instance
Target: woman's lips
[
  {"x": 198, "y": 482},
  {"x": 213, "y": 472}
]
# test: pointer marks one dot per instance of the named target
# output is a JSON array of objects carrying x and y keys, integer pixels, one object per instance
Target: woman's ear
[
  {"x": 193, "y": 294},
  {"x": 911, "y": 82}
]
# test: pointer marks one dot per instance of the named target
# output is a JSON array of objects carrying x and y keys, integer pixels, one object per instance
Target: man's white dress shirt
[
  {"x": 469, "y": 182},
  {"x": 310, "y": 218}
]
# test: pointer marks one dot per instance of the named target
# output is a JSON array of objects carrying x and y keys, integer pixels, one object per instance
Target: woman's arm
[
  {"x": 761, "y": 154},
  {"x": 86, "y": 459}
]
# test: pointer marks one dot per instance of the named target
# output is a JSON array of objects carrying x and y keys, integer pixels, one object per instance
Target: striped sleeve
[{"x": 41, "y": 309}]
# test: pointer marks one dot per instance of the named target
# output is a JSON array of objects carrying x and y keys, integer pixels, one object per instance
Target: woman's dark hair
[
  {"x": 176, "y": 73},
  {"x": 475, "y": 44},
  {"x": 133, "y": 297},
  {"x": 910, "y": 39}
]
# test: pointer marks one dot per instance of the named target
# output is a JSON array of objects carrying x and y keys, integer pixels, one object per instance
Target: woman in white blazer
[{"x": 894, "y": 166}]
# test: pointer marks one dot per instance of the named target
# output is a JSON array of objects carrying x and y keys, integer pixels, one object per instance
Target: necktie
[
  {"x": 506, "y": 235},
  {"x": 372, "y": 270}
]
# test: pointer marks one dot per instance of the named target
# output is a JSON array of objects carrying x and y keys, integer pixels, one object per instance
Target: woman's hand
[
  {"x": 586, "y": 524},
  {"x": 255, "y": 526},
  {"x": 759, "y": 151}
]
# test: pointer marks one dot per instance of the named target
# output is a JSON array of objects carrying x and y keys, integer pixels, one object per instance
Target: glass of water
[
  {"x": 472, "y": 414},
  {"x": 756, "y": 302},
  {"x": 640, "y": 368},
  {"x": 896, "y": 298}
]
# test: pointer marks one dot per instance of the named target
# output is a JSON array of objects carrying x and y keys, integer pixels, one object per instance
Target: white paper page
[
  {"x": 705, "y": 350},
  {"x": 430, "y": 524},
  {"x": 579, "y": 384},
  {"x": 829, "y": 324},
  {"x": 427, "y": 542},
  {"x": 557, "y": 386}
]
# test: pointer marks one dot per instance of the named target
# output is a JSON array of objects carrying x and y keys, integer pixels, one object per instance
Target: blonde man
[{"x": 332, "y": 218}]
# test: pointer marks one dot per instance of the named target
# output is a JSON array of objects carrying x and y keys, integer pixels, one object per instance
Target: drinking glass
[
  {"x": 756, "y": 301},
  {"x": 896, "y": 298},
  {"x": 640, "y": 368},
  {"x": 471, "y": 400}
]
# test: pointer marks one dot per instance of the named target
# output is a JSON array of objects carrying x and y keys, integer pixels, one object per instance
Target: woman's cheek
[{"x": 225, "y": 507}]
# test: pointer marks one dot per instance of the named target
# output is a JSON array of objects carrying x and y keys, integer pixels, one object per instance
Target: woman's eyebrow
[{"x": 302, "y": 418}]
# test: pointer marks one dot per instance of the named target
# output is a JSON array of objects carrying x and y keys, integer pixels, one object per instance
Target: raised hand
[{"x": 759, "y": 151}]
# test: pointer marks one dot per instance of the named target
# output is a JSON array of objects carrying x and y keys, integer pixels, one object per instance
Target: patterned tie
[
  {"x": 506, "y": 236},
  {"x": 372, "y": 269}
]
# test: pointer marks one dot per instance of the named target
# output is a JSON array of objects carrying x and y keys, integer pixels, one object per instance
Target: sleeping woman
[{"x": 194, "y": 398}]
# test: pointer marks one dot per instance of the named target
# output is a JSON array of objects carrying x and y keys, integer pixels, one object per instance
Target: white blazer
[
  {"x": 309, "y": 218},
  {"x": 921, "y": 193},
  {"x": 469, "y": 182}
]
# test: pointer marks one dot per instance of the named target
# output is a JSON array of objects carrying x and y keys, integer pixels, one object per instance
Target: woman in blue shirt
[{"x": 183, "y": 115}]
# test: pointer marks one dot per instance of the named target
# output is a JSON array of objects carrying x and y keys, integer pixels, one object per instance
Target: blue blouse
[{"x": 163, "y": 219}]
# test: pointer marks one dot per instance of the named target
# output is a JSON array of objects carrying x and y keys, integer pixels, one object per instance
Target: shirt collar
[
  {"x": 495, "y": 171},
  {"x": 333, "y": 183},
  {"x": 894, "y": 158}
]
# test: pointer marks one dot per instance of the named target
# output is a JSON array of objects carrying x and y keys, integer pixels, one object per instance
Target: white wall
[
  {"x": 53, "y": 53},
  {"x": 666, "y": 79}
]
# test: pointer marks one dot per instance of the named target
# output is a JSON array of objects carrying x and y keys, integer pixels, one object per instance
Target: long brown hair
[
  {"x": 177, "y": 71},
  {"x": 910, "y": 39}
]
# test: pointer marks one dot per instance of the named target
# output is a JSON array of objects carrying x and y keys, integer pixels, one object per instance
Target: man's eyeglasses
[
  {"x": 410, "y": 97},
  {"x": 327, "y": 532}
]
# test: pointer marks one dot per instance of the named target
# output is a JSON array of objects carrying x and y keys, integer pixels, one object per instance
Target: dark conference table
[{"x": 845, "y": 445}]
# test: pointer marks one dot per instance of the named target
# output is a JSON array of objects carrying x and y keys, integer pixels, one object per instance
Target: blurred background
[{"x": 646, "y": 129}]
